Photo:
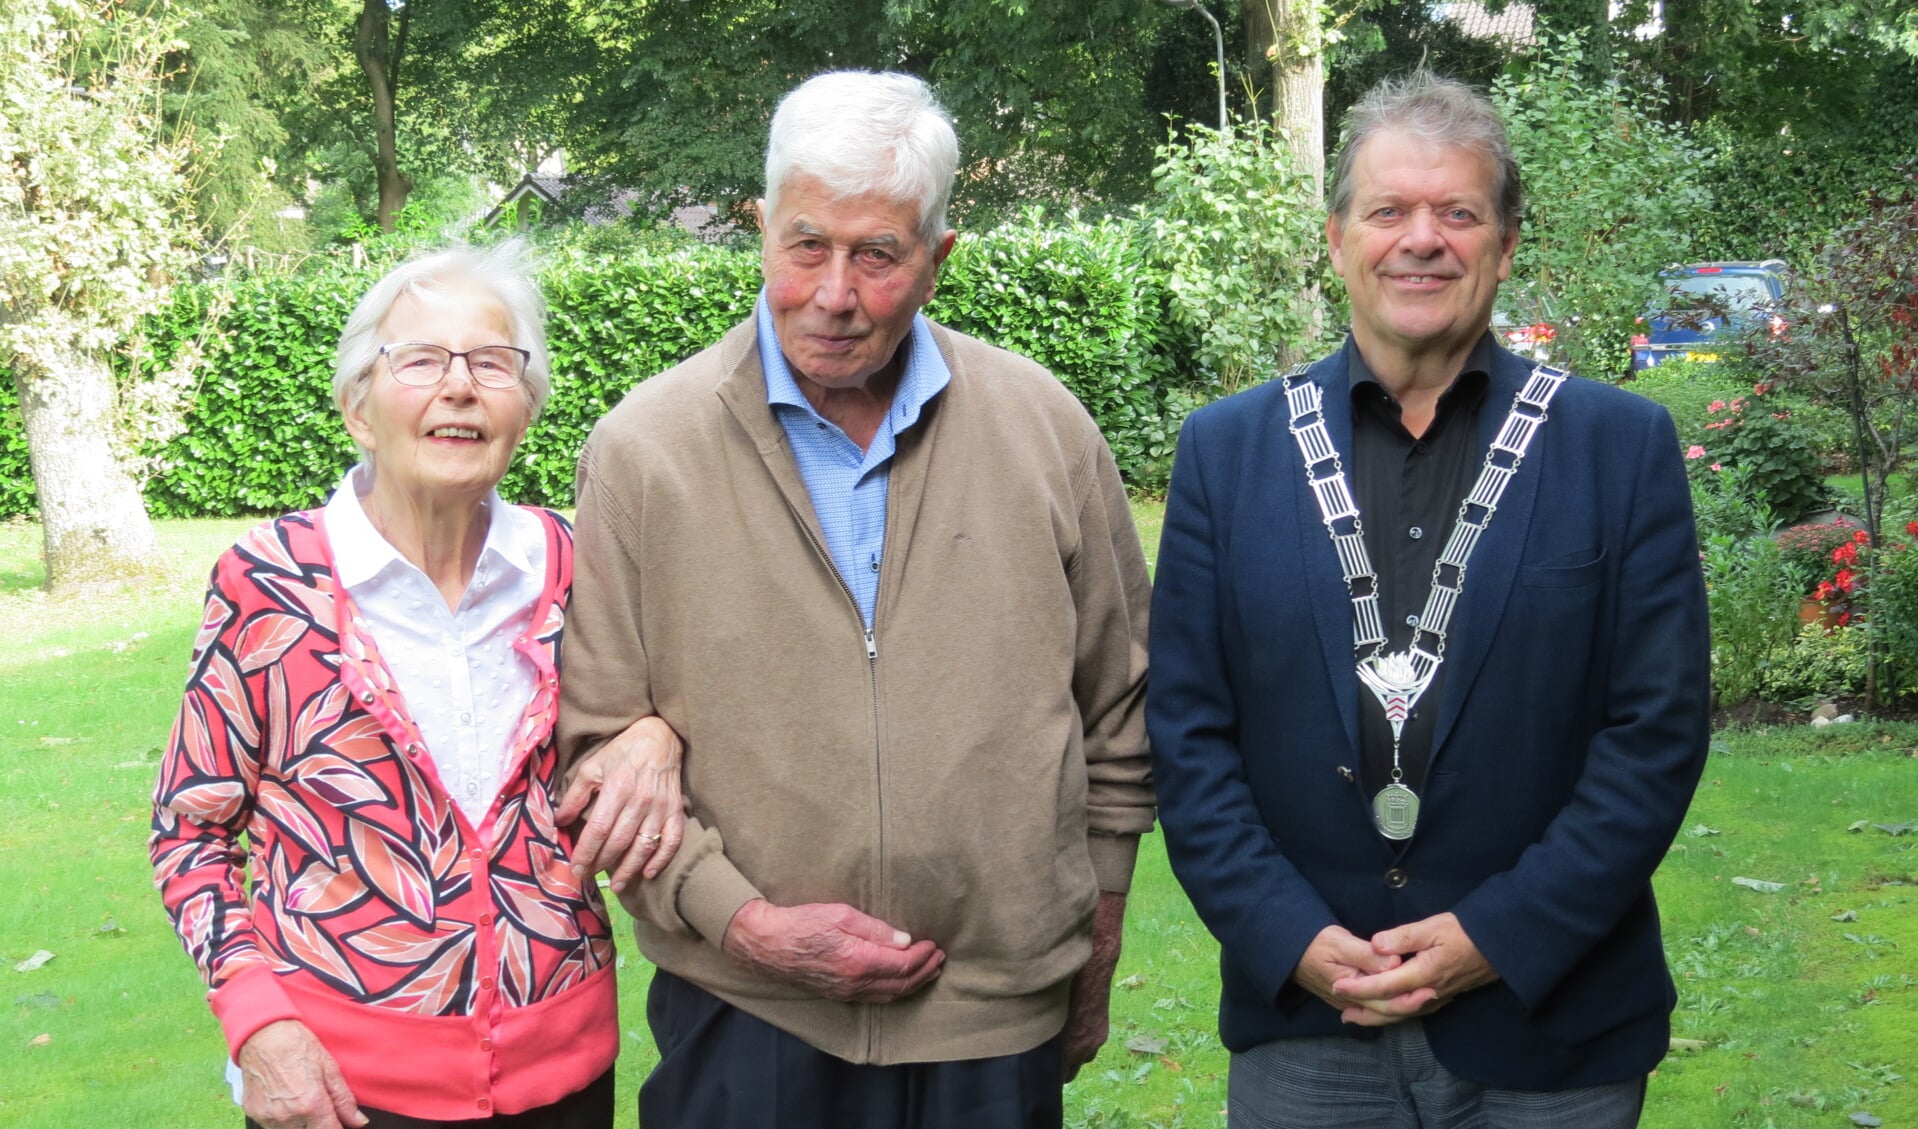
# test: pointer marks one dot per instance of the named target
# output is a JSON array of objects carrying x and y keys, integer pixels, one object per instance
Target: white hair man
[{"x": 882, "y": 578}]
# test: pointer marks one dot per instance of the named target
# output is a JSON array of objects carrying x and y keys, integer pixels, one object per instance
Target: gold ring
[{"x": 649, "y": 838}]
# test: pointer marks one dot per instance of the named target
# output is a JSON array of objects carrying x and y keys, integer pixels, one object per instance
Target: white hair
[
  {"x": 504, "y": 271},
  {"x": 860, "y": 133}
]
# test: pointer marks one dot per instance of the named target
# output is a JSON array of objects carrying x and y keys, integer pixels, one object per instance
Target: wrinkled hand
[
  {"x": 629, "y": 789},
  {"x": 1335, "y": 957},
  {"x": 833, "y": 950},
  {"x": 1088, "y": 1005},
  {"x": 1438, "y": 961},
  {"x": 288, "y": 1081}
]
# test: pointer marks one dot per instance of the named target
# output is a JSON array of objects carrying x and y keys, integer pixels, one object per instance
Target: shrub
[
  {"x": 1820, "y": 663},
  {"x": 1889, "y": 576},
  {"x": 1754, "y": 612},
  {"x": 1722, "y": 507},
  {"x": 1687, "y": 389},
  {"x": 263, "y": 436},
  {"x": 1756, "y": 434},
  {"x": 1082, "y": 300},
  {"x": 1239, "y": 234}
]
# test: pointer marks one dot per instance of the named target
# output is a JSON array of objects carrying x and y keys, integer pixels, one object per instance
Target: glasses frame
[{"x": 525, "y": 358}]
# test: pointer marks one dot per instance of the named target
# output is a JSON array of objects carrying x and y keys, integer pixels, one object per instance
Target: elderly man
[
  {"x": 882, "y": 579},
  {"x": 1430, "y": 681}
]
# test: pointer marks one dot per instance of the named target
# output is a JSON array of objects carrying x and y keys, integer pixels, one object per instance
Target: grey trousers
[{"x": 1395, "y": 1083}]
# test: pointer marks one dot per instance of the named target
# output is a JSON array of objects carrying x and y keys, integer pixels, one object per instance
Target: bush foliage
[{"x": 263, "y": 436}]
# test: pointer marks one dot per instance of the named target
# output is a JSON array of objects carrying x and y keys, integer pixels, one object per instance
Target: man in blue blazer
[{"x": 1430, "y": 681}]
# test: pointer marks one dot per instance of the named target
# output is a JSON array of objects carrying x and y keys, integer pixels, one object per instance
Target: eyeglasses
[{"x": 418, "y": 365}]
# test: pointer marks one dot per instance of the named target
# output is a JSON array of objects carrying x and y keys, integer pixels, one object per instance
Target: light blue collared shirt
[{"x": 847, "y": 485}]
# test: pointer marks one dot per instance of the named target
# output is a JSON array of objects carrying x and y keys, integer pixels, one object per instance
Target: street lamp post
[{"x": 1218, "y": 40}]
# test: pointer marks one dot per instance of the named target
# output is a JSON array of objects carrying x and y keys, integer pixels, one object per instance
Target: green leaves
[
  {"x": 1613, "y": 194},
  {"x": 263, "y": 435},
  {"x": 1238, "y": 231}
]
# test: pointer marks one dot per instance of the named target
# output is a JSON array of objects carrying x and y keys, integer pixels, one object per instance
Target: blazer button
[{"x": 1396, "y": 878}]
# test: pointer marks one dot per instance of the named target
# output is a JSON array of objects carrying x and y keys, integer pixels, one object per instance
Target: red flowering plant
[
  {"x": 1851, "y": 562},
  {"x": 1808, "y": 548},
  {"x": 1876, "y": 587}
]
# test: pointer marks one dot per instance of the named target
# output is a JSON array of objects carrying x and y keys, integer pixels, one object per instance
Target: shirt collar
[
  {"x": 1479, "y": 360},
  {"x": 925, "y": 375},
  {"x": 360, "y": 553}
]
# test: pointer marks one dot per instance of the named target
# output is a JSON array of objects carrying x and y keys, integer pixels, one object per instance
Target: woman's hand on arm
[
  {"x": 629, "y": 792},
  {"x": 288, "y": 1081}
]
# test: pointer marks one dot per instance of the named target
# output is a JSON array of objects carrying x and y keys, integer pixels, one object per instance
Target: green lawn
[{"x": 1800, "y": 1004}]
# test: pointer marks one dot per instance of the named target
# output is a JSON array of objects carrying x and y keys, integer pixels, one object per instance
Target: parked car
[{"x": 1708, "y": 303}]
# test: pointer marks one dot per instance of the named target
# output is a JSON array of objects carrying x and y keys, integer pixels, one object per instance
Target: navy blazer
[{"x": 1572, "y": 728}]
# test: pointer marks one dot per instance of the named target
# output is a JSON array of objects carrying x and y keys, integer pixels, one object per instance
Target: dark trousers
[
  {"x": 591, "y": 1108},
  {"x": 720, "y": 1068}
]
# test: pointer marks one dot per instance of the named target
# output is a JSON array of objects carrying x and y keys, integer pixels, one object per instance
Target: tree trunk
[
  {"x": 95, "y": 523},
  {"x": 1284, "y": 36},
  {"x": 371, "y": 47}
]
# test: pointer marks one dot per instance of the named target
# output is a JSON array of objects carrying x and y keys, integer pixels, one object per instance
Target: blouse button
[{"x": 366, "y": 697}]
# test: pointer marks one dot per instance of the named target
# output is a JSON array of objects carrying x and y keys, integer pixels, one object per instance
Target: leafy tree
[
  {"x": 1806, "y": 107},
  {"x": 1386, "y": 39},
  {"x": 407, "y": 94},
  {"x": 1049, "y": 99},
  {"x": 236, "y": 70},
  {"x": 90, "y": 192},
  {"x": 1851, "y": 335},
  {"x": 1612, "y": 195}
]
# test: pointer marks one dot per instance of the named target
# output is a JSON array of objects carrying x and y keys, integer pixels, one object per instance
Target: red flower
[
  {"x": 1844, "y": 618},
  {"x": 1911, "y": 527},
  {"x": 1843, "y": 580},
  {"x": 1845, "y": 554},
  {"x": 1862, "y": 537},
  {"x": 1761, "y": 388},
  {"x": 1824, "y": 591}
]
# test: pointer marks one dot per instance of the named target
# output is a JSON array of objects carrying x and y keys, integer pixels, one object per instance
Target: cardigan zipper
[{"x": 872, "y": 690}]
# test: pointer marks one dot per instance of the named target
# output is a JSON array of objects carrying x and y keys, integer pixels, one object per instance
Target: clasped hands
[{"x": 1412, "y": 970}]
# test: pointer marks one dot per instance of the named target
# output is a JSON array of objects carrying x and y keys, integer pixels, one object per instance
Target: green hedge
[{"x": 263, "y": 436}]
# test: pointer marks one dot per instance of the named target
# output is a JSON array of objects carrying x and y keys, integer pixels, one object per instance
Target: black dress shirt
[{"x": 1408, "y": 492}]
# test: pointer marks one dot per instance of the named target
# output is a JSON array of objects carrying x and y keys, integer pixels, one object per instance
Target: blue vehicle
[{"x": 1709, "y": 303}]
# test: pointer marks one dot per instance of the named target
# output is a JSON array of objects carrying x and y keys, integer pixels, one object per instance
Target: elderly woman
[{"x": 371, "y": 705}]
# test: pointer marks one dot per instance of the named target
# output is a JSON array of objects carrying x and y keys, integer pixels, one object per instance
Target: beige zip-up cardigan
[{"x": 975, "y": 773}]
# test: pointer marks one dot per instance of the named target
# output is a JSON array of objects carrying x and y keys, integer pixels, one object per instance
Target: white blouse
[{"x": 457, "y": 669}]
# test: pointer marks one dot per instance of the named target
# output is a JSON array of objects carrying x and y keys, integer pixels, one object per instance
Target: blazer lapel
[
  {"x": 1493, "y": 566},
  {"x": 1325, "y": 583}
]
